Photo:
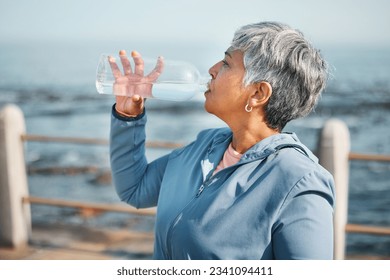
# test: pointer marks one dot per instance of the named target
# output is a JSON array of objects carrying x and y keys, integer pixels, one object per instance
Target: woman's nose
[{"x": 213, "y": 71}]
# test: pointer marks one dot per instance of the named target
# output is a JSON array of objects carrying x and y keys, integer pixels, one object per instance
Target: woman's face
[{"x": 227, "y": 97}]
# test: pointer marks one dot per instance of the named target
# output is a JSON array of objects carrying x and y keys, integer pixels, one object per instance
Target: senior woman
[{"x": 247, "y": 191}]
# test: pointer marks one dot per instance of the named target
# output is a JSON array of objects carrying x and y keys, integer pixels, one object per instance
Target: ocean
[{"x": 54, "y": 85}]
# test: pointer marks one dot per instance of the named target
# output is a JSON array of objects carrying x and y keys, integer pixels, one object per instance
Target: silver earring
[{"x": 247, "y": 108}]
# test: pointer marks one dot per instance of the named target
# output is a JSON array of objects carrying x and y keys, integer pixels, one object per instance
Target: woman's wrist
[{"x": 126, "y": 117}]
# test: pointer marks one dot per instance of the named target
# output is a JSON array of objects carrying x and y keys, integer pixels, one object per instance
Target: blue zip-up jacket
[{"x": 275, "y": 203}]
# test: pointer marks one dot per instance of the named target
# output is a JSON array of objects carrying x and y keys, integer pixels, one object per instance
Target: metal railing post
[
  {"x": 334, "y": 148},
  {"x": 15, "y": 217}
]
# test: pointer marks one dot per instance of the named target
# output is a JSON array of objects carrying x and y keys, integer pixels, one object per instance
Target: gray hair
[{"x": 275, "y": 53}]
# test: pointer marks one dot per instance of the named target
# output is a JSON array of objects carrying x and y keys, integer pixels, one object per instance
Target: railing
[
  {"x": 90, "y": 207},
  {"x": 355, "y": 228},
  {"x": 93, "y": 141},
  {"x": 14, "y": 136},
  {"x": 351, "y": 228},
  {"x": 369, "y": 157}
]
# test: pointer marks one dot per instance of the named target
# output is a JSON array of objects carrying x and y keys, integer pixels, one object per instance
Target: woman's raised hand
[{"x": 132, "y": 87}]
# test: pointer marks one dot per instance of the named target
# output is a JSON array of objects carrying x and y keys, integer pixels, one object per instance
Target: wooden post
[
  {"x": 15, "y": 218},
  {"x": 334, "y": 148}
]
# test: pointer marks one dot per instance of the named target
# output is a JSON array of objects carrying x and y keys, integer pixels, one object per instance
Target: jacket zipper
[
  {"x": 200, "y": 190},
  {"x": 169, "y": 233}
]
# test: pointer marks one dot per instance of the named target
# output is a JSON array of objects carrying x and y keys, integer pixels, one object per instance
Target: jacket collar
[
  {"x": 215, "y": 152},
  {"x": 276, "y": 142},
  {"x": 263, "y": 148},
  {"x": 260, "y": 150}
]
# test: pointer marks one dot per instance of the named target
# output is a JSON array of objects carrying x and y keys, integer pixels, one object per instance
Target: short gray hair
[{"x": 276, "y": 53}]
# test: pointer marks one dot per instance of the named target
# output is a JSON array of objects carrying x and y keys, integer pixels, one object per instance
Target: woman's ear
[{"x": 261, "y": 95}]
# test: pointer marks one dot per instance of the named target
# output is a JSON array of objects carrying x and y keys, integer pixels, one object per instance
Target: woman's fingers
[
  {"x": 137, "y": 100},
  {"x": 138, "y": 66},
  {"x": 125, "y": 62},
  {"x": 114, "y": 67},
  {"x": 153, "y": 76},
  {"x": 138, "y": 62},
  {"x": 130, "y": 106},
  {"x": 133, "y": 81}
]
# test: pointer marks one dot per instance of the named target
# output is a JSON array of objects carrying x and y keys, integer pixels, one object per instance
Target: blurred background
[{"x": 49, "y": 51}]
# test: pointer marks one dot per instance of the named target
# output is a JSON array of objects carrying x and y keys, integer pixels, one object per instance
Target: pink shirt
[{"x": 230, "y": 157}]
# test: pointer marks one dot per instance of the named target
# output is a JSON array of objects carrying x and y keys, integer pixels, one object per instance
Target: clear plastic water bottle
[{"x": 178, "y": 81}]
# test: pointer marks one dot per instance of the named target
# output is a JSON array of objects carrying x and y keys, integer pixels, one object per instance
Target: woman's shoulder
[{"x": 306, "y": 176}]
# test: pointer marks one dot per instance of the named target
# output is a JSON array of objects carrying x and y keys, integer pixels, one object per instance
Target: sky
[{"x": 325, "y": 22}]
